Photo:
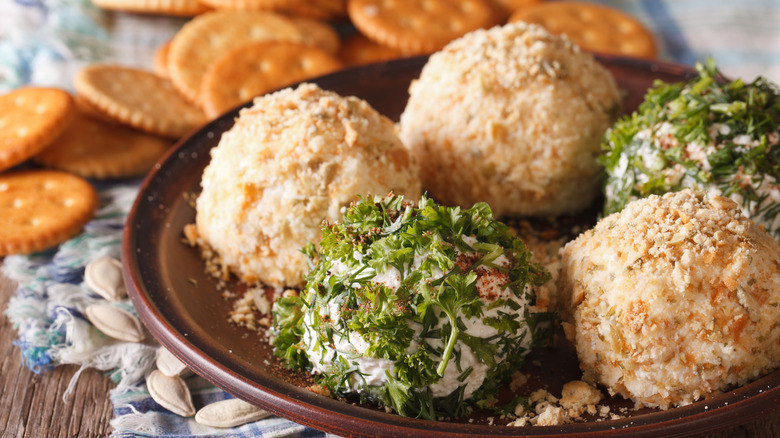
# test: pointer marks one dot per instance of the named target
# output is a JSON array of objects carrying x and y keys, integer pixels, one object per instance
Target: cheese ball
[
  {"x": 673, "y": 299},
  {"x": 700, "y": 134},
  {"x": 512, "y": 116},
  {"x": 438, "y": 301},
  {"x": 292, "y": 160}
]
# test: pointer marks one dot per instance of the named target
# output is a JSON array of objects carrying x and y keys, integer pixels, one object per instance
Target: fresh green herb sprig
[
  {"x": 419, "y": 325},
  {"x": 704, "y": 133}
]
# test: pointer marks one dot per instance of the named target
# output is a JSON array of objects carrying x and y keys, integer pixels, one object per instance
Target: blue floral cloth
[
  {"x": 48, "y": 313},
  {"x": 44, "y": 42}
]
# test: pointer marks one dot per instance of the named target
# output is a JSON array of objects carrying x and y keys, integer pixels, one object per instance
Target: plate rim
[{"x": 307, "y": 409}]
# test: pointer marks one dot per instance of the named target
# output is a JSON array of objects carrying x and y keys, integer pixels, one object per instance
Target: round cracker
[
  {"x": 359, "y": 50},
  {"x": 318, "y": 9},
  {"x": 160, "y": 62},
  {"x": 505, "y": 7},
  {"x": 415, "y": 27},
  {"x": 85, "y": 107},
  {"x": 93, "y": 148},
  {"x": 206, "y": 37},
  {"x": 137, "y": 98},
  {"x": 255, "y": 69},
  {"x": 247, "y": 5},
  {"x": 42, "y": 208},
  {"x": 593, "y": 27},
  {"x": 181, "y": 8},
  {"x": 30, "y": 119},
  {"x": 318, "y": 34}
]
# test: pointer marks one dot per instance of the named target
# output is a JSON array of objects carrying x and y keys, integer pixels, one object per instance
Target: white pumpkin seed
[
  {"x": 171, "y": 393},
  {"x": 115, "y": 322},
  {"x": 104, "y": 276},
  {"x": 230, "y": 413},
  {"x": 169, "y": 364}
]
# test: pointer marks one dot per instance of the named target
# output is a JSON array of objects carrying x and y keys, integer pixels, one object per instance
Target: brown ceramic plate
[{"x": 181, "y": 307}]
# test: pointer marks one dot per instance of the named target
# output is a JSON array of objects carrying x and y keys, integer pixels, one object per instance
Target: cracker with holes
[
  {"x": 359, "y": 50},
  {"x": 137, "y": 98},
  {"x": 205, "y": 38},
  {"x": 317, "y": 9},
  {"x": 30, "y": 119},
  {"x": 255, "y": 69},
  {"x": 247, "y": 5},
  {"x": 506, "y": 7},
  {"x": 160, "y": 60},
  {"x": 318, "y": 34},
  {"x": 42, "y": 208},
  {"x": 182, "y": 8},
  {"x": 416, "y": 27},
  {"x": 593, "y": 27},
  {"x": 93, "y": 148}
]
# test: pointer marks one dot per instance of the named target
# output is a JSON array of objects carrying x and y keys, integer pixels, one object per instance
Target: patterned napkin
[
  {"x": 43, "y": 42},
  {"x": 47, "y": 311}
]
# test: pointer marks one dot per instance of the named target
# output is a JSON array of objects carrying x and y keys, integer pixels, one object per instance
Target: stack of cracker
[
  {"x": 211, "y": 63},
  {"x": 119, "y": 123},
  {"x": 234, "y": 50},
  {"x": 224, "y": 58}
]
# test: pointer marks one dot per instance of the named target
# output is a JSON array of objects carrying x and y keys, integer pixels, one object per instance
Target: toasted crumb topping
[
  {"x": 673, "y": 299},
  {"x": 525, "y": 112},
  {"x": 577, "y": 400},
  {"x": 292, "y": 160}
]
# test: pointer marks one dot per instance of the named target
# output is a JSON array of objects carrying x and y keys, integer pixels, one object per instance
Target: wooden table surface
[{"x": 32, "y": 405}]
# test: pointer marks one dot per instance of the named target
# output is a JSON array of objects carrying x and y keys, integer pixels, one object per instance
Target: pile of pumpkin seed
[{"x": 166, "y": 384}]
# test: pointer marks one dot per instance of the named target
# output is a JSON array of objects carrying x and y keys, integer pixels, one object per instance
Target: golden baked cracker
[
  {"x": 593, "y": 27},
  {"x": 42, "y": 208},
  {"x": 137, "y": 98},
  {"x": 505, "y": 7},
  {"x": 415, "y": 27},
  {"x": 181, "y": 8},
  {"x": 92, "y": 148},
  {"x": 206, "y": 37},
  {"x": 247, "y": 5},
  {"x": 255, "y": 69},
  {"x": 160, "y": 61},
  {"x": 30, "y": 118},
  {"x": 85, "y": 107},
  {"x": 318, "y": 34},
  {"x": 356, "y": 49},
  {"x": 317, "y": 9}
]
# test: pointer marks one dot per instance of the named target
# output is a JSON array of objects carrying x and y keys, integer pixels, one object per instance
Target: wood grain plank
[{"x": 32, "y": 405}]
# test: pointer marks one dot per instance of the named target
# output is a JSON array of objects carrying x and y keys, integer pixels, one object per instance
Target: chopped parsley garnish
[
  {"x": 395, "y": 284},
  {"x": 706, "y": 133}
]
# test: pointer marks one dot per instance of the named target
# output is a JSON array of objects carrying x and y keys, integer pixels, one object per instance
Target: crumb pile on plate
[
  {"x": 512, "y": 116},
  {"x": 673, "y": 299},
  {"x": 291, "y": 161}
]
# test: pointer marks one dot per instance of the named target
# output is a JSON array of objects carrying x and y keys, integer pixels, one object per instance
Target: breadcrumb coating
[
  {"x": 673, "y": 299},
  {"x": 292, "y": 160},
  {"x": 512, "y": 116}
]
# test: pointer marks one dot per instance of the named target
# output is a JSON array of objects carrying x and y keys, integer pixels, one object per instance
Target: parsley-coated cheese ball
[
  {"x": 673, "y": 299},
  {"x": 512, "y": 116},
  {"x": 292, "y": 160},
  {"x": 704, "y": 134},
  {"x": 424, "y": 309}
]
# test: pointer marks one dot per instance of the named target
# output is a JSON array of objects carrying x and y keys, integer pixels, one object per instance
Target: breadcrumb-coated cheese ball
[
  {"x": 673, "y": 299},
  {"x": 513, "y": 116},
  {"x": 292, "y": 160}
]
